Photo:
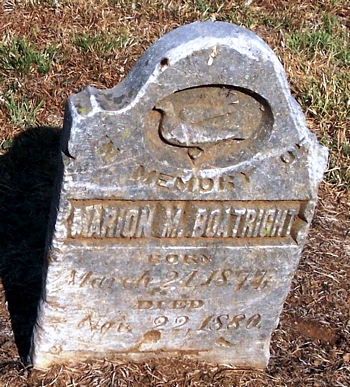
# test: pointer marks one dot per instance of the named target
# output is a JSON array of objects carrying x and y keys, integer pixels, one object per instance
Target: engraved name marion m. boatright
[
  {"x": 165, "y": 219},
  {"x": 182, "y": 206}
]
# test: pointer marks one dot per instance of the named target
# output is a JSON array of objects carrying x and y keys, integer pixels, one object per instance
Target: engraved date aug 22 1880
[{"x": 218, "y": 322}]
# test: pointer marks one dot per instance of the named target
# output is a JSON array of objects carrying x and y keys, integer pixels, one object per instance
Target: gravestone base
[{"x": 255, "y": 359}]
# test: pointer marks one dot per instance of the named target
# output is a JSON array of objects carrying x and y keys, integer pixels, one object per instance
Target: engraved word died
[{"x": 183, "y": 201}]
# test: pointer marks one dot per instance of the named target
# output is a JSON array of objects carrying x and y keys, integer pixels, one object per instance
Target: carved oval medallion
[
  {"x": 207, "y": 115},
  {"x": 210, "y": 122}
]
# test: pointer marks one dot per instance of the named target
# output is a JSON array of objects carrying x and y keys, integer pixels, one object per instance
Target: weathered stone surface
[{"x": 185, "y": 197}]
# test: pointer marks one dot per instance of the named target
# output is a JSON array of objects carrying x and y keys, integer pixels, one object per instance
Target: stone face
[{"x": 184, "y": 201}]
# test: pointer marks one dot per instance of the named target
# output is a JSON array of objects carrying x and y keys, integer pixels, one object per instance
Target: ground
[{"x": 51, "y": 49}]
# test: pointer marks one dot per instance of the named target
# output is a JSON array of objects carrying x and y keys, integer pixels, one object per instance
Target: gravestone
[{"x": 183, "y": 203}]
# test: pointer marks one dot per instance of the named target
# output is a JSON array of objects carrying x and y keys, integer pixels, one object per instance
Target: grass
[
  {"x": 22, "y": 112},
  {"x": 328, "y": 39},
  {"x": 324, "y": 52},
  {"x": 100, "y": 43},
  {"x": 21, "y": 60},
  {"x": 21, "y": 57}
]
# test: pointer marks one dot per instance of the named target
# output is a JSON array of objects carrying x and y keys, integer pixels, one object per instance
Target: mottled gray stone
[{"x": 185, "y": 197}]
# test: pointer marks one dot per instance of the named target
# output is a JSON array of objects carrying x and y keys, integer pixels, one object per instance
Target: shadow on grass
[{"x": 27, "y": 174}]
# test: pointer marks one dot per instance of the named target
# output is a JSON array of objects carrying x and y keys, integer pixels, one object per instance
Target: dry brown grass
[{"x": 311, "y": 347}]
